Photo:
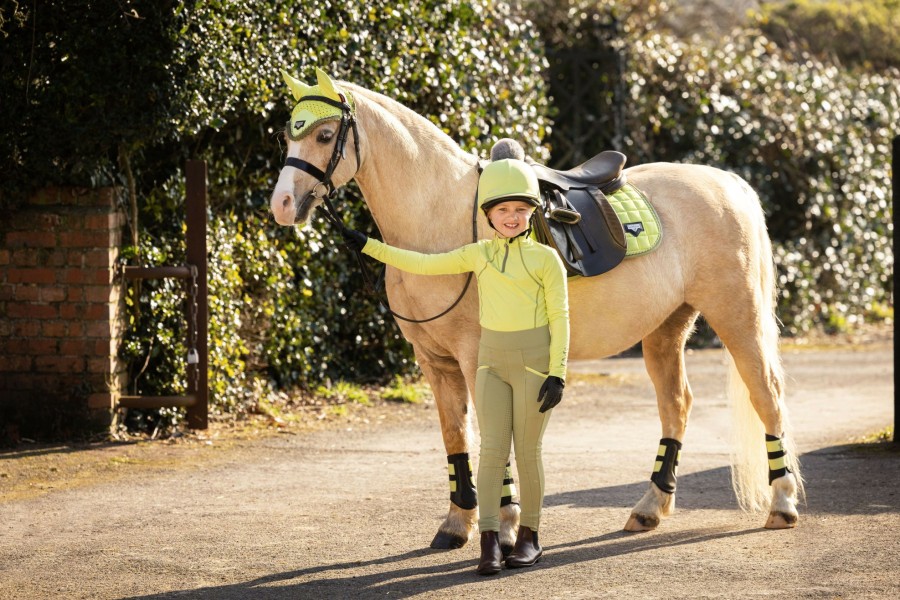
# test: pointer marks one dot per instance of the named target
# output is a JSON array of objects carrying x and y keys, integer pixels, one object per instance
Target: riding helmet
[{"x": 508, "y": 179}]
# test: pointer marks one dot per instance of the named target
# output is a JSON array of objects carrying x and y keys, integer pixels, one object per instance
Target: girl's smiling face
[{"x": 510, "y": 218}]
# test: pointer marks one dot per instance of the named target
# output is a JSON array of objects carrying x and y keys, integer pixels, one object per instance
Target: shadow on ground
[
  {"x": 846, "y": 480},
  {"x": 864, "y": 471},
  {"x": 410, "y": 581},
  {"x": 22, "y": 451}
]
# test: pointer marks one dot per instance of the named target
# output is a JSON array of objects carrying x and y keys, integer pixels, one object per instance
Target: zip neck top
[{"x": 521, "y": 284}]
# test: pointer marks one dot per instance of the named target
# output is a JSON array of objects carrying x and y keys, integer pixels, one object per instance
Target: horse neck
[{"x": 419, "y": 184}]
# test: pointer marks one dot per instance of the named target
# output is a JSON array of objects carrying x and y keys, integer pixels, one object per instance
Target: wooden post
[
  {"x": 198, "y": 383},
  {"x": 895, "y": 168}
]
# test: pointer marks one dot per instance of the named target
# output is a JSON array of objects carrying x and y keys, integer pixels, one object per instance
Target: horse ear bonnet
[{"x": 309, "y": 113}]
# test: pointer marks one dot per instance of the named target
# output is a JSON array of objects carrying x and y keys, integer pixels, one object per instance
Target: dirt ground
[{"x": 345, "y": 507}]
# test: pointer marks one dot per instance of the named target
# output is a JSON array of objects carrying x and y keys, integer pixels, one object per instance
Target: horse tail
[{"x": 749, "y": 458}]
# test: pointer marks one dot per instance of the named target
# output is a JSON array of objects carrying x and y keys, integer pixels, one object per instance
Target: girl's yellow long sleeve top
[{"x": 521, "y": 285}]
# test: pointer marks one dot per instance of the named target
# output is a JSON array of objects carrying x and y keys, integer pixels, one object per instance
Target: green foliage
[
  {"x": 586, "y": 67},
  {"x": 402, "y": 390},
  {"x": 100, "y": 92},
  {"x": 812, "y": 138},
  {"x": 858, "y": 34},
  {"x": 879, "y": 437},
  {"x": 76, "y": 94},
  {"x": 344, "y": 391}
]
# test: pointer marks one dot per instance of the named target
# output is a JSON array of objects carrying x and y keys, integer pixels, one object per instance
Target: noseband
[{"x": 348, "y": 121}]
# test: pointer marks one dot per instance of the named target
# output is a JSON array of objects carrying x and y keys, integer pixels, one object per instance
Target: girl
[{"x": 524, "y": 317}]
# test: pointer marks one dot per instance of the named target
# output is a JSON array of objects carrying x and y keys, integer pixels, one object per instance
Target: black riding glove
[
  {"x": 551, "y": 393},
  {"x": 356, "y": 240}
]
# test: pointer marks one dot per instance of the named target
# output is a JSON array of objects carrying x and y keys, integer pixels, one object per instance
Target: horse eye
[{"x": 324, "y": 136}]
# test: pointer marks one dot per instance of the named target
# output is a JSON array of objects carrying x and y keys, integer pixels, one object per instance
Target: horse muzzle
[
  {"x": 307, "y": 204},
  {"x": 287, "y": 210}
]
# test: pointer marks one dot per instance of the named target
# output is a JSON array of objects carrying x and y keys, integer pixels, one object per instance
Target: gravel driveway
[{"x": 347, "y": 509}]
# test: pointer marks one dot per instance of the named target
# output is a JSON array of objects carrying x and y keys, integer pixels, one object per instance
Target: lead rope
[{"x": 332, "y": 216}]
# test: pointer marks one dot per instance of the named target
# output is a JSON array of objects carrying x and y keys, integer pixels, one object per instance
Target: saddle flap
[{"x": 591, "y": 246}]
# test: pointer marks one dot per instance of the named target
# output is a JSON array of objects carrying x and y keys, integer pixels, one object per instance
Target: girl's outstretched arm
[{"x": 456, "y": 261}]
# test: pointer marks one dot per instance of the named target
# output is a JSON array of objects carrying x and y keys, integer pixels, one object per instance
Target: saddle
[{"x": 576, "y": 218}]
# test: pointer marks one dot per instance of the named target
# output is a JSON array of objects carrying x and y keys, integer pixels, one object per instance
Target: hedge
[
  {"x": 812, "y": 137},
  {"x": 123, "y": 92}
]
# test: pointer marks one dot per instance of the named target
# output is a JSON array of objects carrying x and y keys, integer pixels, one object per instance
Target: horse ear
[
  {"x": 326, "y": 85},
  {"x": 298, "y": 88}
]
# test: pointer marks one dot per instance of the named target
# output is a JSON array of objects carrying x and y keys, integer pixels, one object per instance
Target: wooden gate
[{"x": 195, "y": 274}]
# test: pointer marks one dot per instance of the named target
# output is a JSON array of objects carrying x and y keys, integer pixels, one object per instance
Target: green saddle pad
[{"x": 641, "y": 223}]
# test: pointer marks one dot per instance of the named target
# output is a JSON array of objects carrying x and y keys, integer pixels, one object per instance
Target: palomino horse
[{"x": 715, "y": 259}]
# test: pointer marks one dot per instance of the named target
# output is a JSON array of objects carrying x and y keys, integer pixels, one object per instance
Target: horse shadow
[
  {"x": 846, "y": 479},
  {"x": 836, "y": 477},
  {"x": 709, "y": 489}
]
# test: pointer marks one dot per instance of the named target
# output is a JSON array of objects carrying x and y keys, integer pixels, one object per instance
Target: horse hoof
[
  {"x": 447, "y": 541},
  {"x": 638, "y": 522},
  {"x": 781, "y": 520},
  {"x": 506, "y": 549}
]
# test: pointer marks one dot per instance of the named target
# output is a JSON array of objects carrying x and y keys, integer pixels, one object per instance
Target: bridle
[{"x": 348, "y": 122}]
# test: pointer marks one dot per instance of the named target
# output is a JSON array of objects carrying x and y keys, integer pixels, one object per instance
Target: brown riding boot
[
  {"x": 527, "y": 550},
  {"x": 490, "y": 553}
]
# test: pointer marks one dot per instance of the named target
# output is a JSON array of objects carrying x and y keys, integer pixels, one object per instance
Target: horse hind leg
[
  {"x": 509, "y": 514},
  {"x": 763, "y": 447},
  {"x": 664, "y": 359}
]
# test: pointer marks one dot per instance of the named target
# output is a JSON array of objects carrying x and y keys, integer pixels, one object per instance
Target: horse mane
[
  {"x": 411, "y": 172},
  {"x": 404, "y": 120}
]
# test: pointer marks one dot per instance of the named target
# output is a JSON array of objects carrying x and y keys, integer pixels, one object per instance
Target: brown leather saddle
[{"x": 576, "y": 218}]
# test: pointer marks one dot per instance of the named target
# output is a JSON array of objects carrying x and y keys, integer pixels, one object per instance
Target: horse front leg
[
  {"x": 664, "y": 358},
  {"x": 452, "y": 392},
  {"x": 452, "y": 399}
]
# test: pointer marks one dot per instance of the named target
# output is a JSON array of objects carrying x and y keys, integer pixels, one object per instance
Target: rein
[
  {"x": 348, "y": 121},
  {"x": 373, "y": 287}
]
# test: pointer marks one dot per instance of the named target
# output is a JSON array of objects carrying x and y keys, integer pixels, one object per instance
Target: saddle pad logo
[{"x": 635, "y": 229}]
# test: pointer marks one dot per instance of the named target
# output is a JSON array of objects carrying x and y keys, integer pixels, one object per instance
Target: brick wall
[{"x": 60, "y": 304}]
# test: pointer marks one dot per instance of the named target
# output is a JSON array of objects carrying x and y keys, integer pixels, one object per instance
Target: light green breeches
[{"x": 512, "y": 367}]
